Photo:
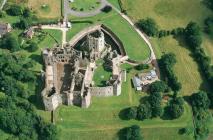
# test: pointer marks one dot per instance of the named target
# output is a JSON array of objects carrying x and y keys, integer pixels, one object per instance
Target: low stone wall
[{"x": 101, "y": 91}]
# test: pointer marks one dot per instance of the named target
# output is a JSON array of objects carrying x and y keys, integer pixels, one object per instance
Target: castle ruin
[{"x": 69, "y": 72}]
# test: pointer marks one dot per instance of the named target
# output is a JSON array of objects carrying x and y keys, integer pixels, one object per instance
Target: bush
[
  {"x": 148, "y": 26},
  {"x": 175, "y": 110},
  {"x": 33, "y": 47},
  {"x": 23, "y": 24},
  {"x": 133, "y": 133},
  {"x": 144, "y": 111},
  {"x": 166, "y": 64},
  {"x": 27, "y": 13},
  {"x": 158, "y": 86},
  {"x": 131, "y": 113},
  {"x": 200, "y": 100},
  {"x": 2, "y": 14},
  {"x": 107, "y": 9},
  {"x": 15, "y": 10},
  {"x": 10, "y": 42},
  {"x": 142, "y": 67}
]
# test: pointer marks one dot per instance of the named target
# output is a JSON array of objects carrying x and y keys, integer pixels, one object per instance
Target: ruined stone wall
[
  {"x": 52, "y": 102},
  {"x": 101, "y": 91}
]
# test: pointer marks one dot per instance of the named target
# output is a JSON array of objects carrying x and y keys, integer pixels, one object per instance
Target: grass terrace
[
  {"x": 135, "y": 47},
  {"x": 84, "y": 5}
]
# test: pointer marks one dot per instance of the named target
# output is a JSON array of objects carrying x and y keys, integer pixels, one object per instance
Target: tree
[
  {"x": 131, "y": 113},
  {"x": 175, "y": 110},
  {"x": 33, "y": 47},
  {"x": 142, "y": 67},
  {"x": 23, "y": 24},
  {"x": 15, "y": 10},
  {"x": 193, "y": 35},
  {"x": 27, "y": 13},
  {"x": 158, "y": 86},
  {"x": 2, "y": 14},
  {"x": 200, "y": 100},
  {"x": 107, "y": 9},
  {"x": 133, "y": 133},
  {"x": 10, "y": 42},
  {"x": 168, "y": 60},
  {"x": 155, "y": 102},
  {"x": 144, "y": 111},
  {"x": 148, "y": 26}
]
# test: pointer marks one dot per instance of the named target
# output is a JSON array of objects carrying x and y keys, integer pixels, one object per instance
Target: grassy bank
[{"x": 135, "y": 47}]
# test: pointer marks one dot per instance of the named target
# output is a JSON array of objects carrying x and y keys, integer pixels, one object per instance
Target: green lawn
[
  {"x": 101, "y": 75},
  {"x": 135, "y": 47},
  {"x": 115, "y": 3},
  {"x": 85, "y": 5}
]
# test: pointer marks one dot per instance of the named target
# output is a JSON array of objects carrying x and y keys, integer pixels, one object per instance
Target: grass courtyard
[
  {"x": 137, "y": 51},
  {"x": 84, "y": 5},
  {"x": 101, "y": 75}
]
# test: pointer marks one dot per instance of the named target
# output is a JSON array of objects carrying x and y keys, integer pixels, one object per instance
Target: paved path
[
  {"x": 3, "y": 3},
  {"x": 56, "y": 27},
  {"x": 69, "y": 11}
]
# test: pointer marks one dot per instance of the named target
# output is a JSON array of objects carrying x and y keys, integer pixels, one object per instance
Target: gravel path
[
  {"x": 55, "y": 27},
  {"x": 69, "y": 11}
]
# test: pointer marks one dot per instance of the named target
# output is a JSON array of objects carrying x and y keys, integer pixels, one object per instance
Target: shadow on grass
[
  {"x": 121, "y": 133},
  {"x": 37, "y": 58},
  {"x": 143, "y": 99},
  {"x": 84, "y": 21},
  {"x": 36, "y": 99},
  {"x": 122, "y": 114},
  {"x": 166, "y": 115}
]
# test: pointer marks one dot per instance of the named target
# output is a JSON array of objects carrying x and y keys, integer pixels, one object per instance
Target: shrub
[
  {"x": 148, "y": 26},
  {"x": 15, "y": 10},
  {"x": 175, "y": 110},
  {"x": 33, "y": 47},
  {"x": 23, "y": 24},
  {"x": 158, "y": 86},
  {"x": 142, "y": 67},
  {"x": 144, "y": 111},
  {"x": 133, "y": 133},
  {"x": 107, "y": 9},
  {"x": 2, "y": 14},
  {"x": 131, "y": 113},
  {"x": 10, "y": 42},
  {"x": 27, "y": 13}
]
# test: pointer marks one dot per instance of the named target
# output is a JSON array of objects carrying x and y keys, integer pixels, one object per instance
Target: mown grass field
[
  {"x": 171, "y": 14},
  {"x": 186, "y": 68},
  {"x": 46, "y": 8},
  {"x": 135, "y": 47}
]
